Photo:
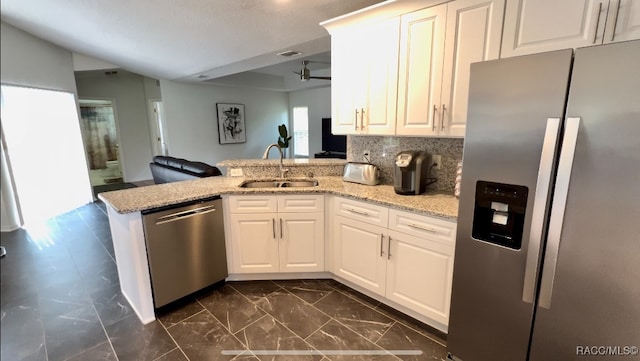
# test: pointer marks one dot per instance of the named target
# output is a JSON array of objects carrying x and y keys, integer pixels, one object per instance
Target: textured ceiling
[{"x": 181, "y": 40}]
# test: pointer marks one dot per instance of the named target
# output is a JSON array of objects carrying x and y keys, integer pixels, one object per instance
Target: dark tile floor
[{"x": 61, "y": 301}]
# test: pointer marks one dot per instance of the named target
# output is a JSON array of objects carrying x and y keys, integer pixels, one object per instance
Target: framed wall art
[{"x": 231, "y": 123}]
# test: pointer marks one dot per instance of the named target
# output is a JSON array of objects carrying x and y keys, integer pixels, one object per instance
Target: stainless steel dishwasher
[{"x": 185, "y": 248}]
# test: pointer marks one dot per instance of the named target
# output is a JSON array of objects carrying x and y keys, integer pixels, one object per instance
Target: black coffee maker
[{"x": 411, "y": 171}]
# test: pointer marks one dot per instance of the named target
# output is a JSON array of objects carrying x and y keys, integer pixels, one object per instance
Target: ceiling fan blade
[{"x": 320, "y": 77}]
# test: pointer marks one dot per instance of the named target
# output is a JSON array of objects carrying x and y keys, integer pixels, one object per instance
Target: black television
[{"x": 332, "y": 143}]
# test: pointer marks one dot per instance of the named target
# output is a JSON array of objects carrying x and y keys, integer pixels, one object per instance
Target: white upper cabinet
[
  {"x": 437, "y": 45},
  {"x": 364, "y": 75},
  {"x": 420, "y": 69},
  {"x": 534, "y": 26},
  {"x": 474, "y": 33},
  {"x": 625, "y": 17}
]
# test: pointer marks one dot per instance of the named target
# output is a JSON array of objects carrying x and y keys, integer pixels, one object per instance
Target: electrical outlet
[
  {"x": 437, "y": 160},
  {"x": 235, "y": 172}
]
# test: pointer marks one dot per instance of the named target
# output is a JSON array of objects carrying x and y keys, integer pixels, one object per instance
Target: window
[
  {"x": 301, "y": 131},
  {"x": 44, "y": 145}
]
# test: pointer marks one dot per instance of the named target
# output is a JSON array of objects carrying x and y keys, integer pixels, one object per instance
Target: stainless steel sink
[
  {"x": 293, "y": 184},
  {"x": 260, "y": 184},
  {"x": 279, "y": 184}
]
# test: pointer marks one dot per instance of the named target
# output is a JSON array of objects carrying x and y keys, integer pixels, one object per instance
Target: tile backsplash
[{"x": 383, "y": 149}]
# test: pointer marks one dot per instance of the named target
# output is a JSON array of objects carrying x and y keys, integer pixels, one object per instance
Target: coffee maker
[{"x": 411, "y": 171}]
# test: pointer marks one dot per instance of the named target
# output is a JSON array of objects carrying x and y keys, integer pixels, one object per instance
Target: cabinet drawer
[
  {"x": 253, "y": 204},
  {"x": 301, "y": 203},
  {"x": 361, "y": 211},
  {"x": 423, "y": 226}
]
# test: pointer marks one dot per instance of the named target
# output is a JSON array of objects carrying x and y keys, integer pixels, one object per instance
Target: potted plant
[{"x": 284, "y": 138}]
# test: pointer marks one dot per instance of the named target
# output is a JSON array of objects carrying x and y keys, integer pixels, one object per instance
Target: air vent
[{"x": 290, "y": 53}]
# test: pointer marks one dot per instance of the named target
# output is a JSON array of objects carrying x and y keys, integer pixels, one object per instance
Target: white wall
[
  {"x": 192, "y": 125},
  {"x": 33, "y": 62},
  {"x": 29, "y": 61},
  {"x": 129, "y": 92},
  {"x": 319, "y": 102}
]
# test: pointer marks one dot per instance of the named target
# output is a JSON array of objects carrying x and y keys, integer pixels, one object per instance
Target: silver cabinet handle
[
  {"x": 356, "y": 120},
  {"x": 389, "y": 249},
  {"x": 357, "y": 211},
  {"x": 557, "y": 210},
  {"x": 381, "y": 242},
  {"x": 615, "y": 22},
  {"x": 361, "y": 118},
  {"x": 281, "y": 230},
  {"x": 273, "y": 225},
  {"x": 184, "y": 214},
  {"x": 435, "y": 110},
  {"x": 543, "y": 185},
  {"x": 432, "y": 230},
  {"x": 595, "y": 35},
  {"x": 444, "y": 109}
]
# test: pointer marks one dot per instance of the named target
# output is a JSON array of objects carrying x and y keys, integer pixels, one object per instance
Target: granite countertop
[
  {"x": 432, "y": 203},
  {"x": 302, "y": 162}
]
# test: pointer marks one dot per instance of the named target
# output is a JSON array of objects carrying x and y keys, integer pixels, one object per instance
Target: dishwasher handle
[{"x": 185, "y": 214}]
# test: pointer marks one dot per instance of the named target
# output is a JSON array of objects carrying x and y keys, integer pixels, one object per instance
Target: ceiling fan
[{"x": 305, "y": 73}]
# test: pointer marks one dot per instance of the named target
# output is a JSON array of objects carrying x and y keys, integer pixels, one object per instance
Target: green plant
[{"x": 284, "y": 138}]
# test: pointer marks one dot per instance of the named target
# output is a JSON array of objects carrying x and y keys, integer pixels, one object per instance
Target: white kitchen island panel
[{"x": 130, "y": 249}]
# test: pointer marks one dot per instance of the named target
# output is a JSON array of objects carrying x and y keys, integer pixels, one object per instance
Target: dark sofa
[{"x": 167, "y": 169}]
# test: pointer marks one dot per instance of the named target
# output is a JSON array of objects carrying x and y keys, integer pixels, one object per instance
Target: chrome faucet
[{"x": 283, "y": 171}]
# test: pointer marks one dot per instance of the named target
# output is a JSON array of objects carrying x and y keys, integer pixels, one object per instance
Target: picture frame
[{"x": 231, "y": 123}]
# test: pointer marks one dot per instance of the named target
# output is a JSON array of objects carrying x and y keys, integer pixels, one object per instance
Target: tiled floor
[{"x": 61, "y": 301}]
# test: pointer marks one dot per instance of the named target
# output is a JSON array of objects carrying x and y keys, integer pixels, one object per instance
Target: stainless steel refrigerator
[{"x": 547, "y": 262}]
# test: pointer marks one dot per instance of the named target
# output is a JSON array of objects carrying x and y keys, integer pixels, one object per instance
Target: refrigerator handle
[
  {"x": 543, "y": 185},
  {"x": 557, "y": 210}
]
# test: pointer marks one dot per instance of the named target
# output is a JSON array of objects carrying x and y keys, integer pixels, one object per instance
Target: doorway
[
  {"x": 101, "y": 143},
  {"x": 158, "y": 132}
]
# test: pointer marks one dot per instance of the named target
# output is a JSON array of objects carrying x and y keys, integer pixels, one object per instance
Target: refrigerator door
[
  {"x": 515, "y": 107},
  {"x": 590, "y": 289}
]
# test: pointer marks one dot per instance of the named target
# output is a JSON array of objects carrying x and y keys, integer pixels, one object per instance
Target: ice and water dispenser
[{"x": 499, "y": 213}]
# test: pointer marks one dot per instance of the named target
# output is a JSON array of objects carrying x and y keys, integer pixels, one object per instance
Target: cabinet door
[
  {"x": 420, "y": 71},
  {"x": 419, "y": 275},
  {"x": 359, "y": 253},
  {"x": 347, "y": 79},
  {"x": 301, "y": 242},
  {"x": 623, "y": 21},
  {"x": 254, "y": 242},
  {"x": 381, "y": 61},
  {"x": 535, "y": 26},
  {"x": 474, "y": 31}
]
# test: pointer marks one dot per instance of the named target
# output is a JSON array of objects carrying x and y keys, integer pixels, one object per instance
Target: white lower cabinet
[
  {"x": 358, "y": 253},
  {"x": 301, "y": 245},
  {"x": 409, "y": 262},
  {"x": 254, "y": 243},
  {"x": 264, "y": 240},
  {"x": 419, "y": 275},
  {"x": 405, "y": 258}
]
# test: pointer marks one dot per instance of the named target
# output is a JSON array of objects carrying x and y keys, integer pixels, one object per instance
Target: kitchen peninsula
[{"x": 343, "y": 201}]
